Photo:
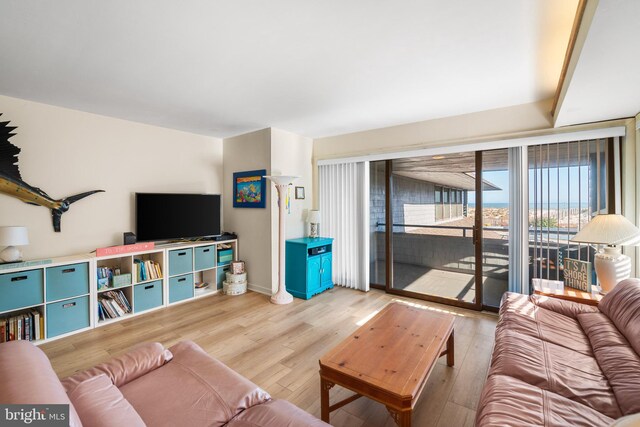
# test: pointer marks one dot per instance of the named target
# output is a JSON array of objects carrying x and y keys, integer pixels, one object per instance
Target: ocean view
[{"x": 552, "y": 205}]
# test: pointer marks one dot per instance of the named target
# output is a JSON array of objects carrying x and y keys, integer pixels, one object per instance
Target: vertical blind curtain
[
  {"x": 568, "y": 185},
  {"x": 344, "y": 204},
  {"x": 518, "y": 221}
]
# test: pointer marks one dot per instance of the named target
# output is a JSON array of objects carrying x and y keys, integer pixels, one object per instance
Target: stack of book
[
  {"x": 146, "y": 270},
  {"x": 26, "y": 326},
  {"x": 113, "y": 304},
  {"x": 105, "y": 276}
]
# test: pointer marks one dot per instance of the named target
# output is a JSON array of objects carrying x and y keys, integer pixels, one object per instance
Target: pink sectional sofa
[
  {"x": 560, "y": 363},
  {"x": 149, "y": 385}
]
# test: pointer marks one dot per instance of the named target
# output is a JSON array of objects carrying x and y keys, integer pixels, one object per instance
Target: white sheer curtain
[{"x": 344, "y": 206}]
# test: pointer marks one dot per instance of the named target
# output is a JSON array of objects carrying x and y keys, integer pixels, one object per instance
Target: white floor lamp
[{"x": 282, "y": 182}]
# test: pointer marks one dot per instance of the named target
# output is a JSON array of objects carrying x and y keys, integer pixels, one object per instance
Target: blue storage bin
[
  {"x": 67, "y": 281},
  {"x": 222, "y": 275},
  {"x": 147, "y": 296},
  {"x": 225, "y": 256},
  {"x": 21, "y": 289},
  {"x": 67, "y": 316},
  {"x": 181, "y": 288},
  {"x": 205, "y": 257},
  {"x": 180, "y": 261}
]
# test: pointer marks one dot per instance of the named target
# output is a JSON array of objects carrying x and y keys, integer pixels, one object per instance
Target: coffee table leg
[
  {"x": 325, "y": 386},
  {"x": 402, "y": 418},
  {"x": 450, "y": 350}
]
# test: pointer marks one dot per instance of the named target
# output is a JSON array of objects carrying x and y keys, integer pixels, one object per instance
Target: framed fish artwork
[{"x": 249, "y": 189}]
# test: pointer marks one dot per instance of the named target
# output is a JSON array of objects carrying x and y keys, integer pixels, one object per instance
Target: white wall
[
  {"x": 247, "y": 152},
  {"x": 290, "y": 155},
  {"x": 65, "y": 152},
  {"x": 280, "y": 153}
]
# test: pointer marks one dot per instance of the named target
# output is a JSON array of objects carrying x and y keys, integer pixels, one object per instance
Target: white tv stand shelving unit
[{"x": 65, "y": 290}]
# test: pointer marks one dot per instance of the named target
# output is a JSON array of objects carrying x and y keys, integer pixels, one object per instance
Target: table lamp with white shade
[
  {"x": 614, "y": 231},
  {"x": 314, "y": 220},
  {"x": 12, "y": 236},
  {"x": 282, "y": 183}
]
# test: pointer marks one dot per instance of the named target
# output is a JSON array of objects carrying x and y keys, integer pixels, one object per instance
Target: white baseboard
[{"x": 260, "y": 289}]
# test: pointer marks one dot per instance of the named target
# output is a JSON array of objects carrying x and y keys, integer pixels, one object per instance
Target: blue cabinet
[
  {"x": 21, "y": 289},
  {"x": 180, "y": 288},
  {"x": 180, "y": 261},
  {"x": 67, "y": 316},
  {"x": 147, "y": 296},
  {"x": 67, "y": 281},
  {"x": 205, "y": 258},
  {"x": 309, "y": 264}
]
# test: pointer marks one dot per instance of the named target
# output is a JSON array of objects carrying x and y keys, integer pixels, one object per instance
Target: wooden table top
[
  {"x": 395, "y": 351},
  {"x": 570, "y": 294}
]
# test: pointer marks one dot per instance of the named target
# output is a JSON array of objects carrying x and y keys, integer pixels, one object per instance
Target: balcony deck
[{"x": 448, "y": 284}]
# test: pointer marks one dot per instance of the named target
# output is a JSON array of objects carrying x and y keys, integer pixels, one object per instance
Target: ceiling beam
[{"x": 584, "y": 15}]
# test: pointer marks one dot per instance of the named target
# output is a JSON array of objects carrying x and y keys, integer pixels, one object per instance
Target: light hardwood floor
[{"x": 278, "y": 348}]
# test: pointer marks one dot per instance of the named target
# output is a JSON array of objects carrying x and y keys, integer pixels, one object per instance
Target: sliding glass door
[
  {"x": 433, "y": 228},
  {"x": 495, "y": 226},
  {"x": 377, "y": 215},
  {"x": 442, "y": 226}
]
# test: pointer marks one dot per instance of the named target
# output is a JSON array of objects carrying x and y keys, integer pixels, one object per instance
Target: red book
[{"x": 125, "y": 249}]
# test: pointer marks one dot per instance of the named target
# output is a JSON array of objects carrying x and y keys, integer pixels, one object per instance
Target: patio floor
[{"x": 442, "y": 283}]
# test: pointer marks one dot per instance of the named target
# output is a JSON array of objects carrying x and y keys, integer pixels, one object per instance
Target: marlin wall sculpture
[{"x": 11, "y": 182}]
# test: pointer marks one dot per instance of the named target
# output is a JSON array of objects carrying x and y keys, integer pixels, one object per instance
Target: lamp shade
[
  {"x": 13, "y": 236},
  {"x": 609, "y": 229},
  {"x": 314, "y": 217}
]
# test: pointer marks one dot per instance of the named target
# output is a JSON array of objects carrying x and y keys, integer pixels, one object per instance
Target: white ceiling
[
  {"x": 317, "y": 68},
  {"x": 606, "y": 81}
]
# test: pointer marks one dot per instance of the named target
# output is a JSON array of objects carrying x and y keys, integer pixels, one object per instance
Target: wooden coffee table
[{"x": 388, "y": 359}]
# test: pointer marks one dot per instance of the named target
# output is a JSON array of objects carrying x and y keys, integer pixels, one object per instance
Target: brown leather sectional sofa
[
  {"x": 560, "y": 363},
  {"x": 149, "y": 385}
]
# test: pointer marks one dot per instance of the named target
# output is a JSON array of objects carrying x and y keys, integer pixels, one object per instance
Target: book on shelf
[
  {"x": 24, "y": 326},
  {"x": 147, "y": 270},
  {"x": 113, "y": 304}
]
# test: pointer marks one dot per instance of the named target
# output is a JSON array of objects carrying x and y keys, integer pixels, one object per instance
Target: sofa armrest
[
  {"x": 26, "y": 377},
  {"x": 133, "y": 364},
  {"x": 564, "y": 307}
]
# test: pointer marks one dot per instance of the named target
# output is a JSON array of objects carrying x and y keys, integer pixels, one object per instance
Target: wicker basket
[{"x": 234, "y": 288}]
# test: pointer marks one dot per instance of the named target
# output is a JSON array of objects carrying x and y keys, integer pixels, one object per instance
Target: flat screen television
[{"x": 165, "y": 216}]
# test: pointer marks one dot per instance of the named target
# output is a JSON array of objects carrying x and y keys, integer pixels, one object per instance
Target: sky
[{"x": 548, "y": 183}]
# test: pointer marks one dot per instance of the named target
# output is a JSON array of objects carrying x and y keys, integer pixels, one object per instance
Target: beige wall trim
[
  {"x": 466, "y": 144},
  {"x": 491, "y": 144},
  {"x": 584, "y": 16}
]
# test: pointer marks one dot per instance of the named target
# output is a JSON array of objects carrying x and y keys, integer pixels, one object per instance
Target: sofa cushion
[
  {"x": 127, "y": 367},
  {"x": 100, "y": 404},
  {"x": 195, "y": 389},
  {"x": 560, "y": 306},
  {"x": 518, "y": 313},
  {"x": 275, "y": 413},
  {"x": 509, "y": 402},
  {"x": 554, "y": 368},
  {"x": 622, "y": 306},
  {"x": 618, "y": 361},
  {"x": 26, "y": 376}
]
